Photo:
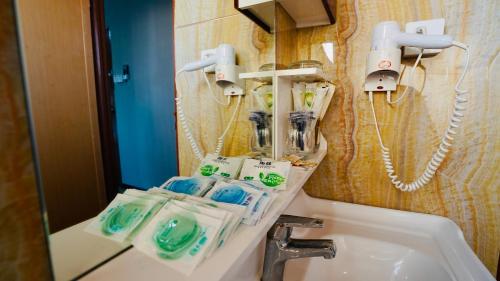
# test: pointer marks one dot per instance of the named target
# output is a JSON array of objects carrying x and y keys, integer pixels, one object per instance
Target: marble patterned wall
[
  {"x": 23, "y": 248},
  {"x": 466, "y": 188}
]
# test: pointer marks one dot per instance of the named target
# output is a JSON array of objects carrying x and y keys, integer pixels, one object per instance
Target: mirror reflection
[
  {"x": 101, "y": 88},
  {"x": 101, "y": 93}
]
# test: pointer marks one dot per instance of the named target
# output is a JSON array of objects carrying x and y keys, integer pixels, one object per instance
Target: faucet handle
[
  {"x": 297, "y": 221},
  {"x": 282, "y": 228}
]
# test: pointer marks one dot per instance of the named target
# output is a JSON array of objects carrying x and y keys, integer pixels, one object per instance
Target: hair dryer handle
[{"x": 424, "y": 41}]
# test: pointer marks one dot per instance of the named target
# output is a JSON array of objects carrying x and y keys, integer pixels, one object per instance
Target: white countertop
[
  {"x": 134, "y": 265},
  {"x": 74, "y": 251}
]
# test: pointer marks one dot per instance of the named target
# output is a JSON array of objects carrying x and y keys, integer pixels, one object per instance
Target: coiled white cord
[
  {"x": 182, "y": 119},
  {"x": 446, "y": 141},
  {"x": 220, "y": 141},
  {"x": 187, "y": 131},
  {"x": 212, "y": 94},
  {"x": 412, "y": 73}
]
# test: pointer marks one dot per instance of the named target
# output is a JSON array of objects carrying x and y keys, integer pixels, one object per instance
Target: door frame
[{"x": 105, "y": 100}]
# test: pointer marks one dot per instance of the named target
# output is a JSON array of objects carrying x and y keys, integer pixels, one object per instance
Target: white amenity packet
[
  {"x": 220, "y": 214},
  {"x": 266, "y": 173},
  {"x": 263, "y": 204},
  {"x": 238, "y": 194},
  {"x": 178, "y": 238},
  {"x": 196, "y": 186},
  {"x": 238, "y": 211},
  {"x": 146, "y": 195},
  {"x": 122, "y": 217},
  {"x": 220, "y": 167},
  {"x": 166, "y": 193}
]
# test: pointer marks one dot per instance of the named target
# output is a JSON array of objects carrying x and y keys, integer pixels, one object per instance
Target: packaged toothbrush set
[
  {"x": 313, "y": 97},
  {"x": 310, "y": 102}
]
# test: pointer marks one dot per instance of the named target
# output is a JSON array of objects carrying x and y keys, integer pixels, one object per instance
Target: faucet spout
[
  {"x": 305, "y": 248},
  {"x": 280, "y": 247}
]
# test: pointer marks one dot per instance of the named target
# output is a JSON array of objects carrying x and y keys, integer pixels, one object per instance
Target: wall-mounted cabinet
[{"x": 305, "y": 13}]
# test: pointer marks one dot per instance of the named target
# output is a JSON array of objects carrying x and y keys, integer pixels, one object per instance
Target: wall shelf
[
  {"x": 257, "y": 76},
  {"x": 300, "y": 74}
]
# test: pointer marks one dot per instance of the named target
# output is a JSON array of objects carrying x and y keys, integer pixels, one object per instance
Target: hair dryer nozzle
[{"x": 224, "y": 55}]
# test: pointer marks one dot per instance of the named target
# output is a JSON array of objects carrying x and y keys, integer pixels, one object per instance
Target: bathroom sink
[{"x": 375, "y": 244}]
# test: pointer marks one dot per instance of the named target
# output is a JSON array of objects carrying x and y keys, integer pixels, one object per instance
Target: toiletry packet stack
[
  {"x": 253, "y": 199},
  {"x": 196, "y": 186},
  {"x": 237, "y": 212},
  {"x": 264, "y": 203},
  {"x": 266, "y": 173},
  {"x": 224, "y": 216},
  {"x": 167, "y": 194},
  {"x": 123, "y": 217},
  {"x": 180, "y": 237},
  {"x": 219, "y": 167}
]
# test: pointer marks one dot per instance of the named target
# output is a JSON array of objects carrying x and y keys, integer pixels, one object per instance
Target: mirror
[
  {"x": 101, "y": 94},
  {"x": 100, "y": 88}
]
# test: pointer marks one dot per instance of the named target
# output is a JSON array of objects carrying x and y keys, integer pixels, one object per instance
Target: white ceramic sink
[{"x": 376, "y": 244}]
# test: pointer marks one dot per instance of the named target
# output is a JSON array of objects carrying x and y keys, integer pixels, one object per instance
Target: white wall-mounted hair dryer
[
  {"x": 226, "y": 70},
  {"x": 226, "y": 76},
  {"x": 384, "y": 61},
  {"x": 382, "y": 75}
]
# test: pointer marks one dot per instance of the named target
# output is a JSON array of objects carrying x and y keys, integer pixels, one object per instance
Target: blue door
[{"x": 141, "y": 35}]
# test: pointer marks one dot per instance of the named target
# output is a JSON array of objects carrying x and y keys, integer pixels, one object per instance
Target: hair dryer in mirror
[
  {"x": 226, "y": 70},
  {"x": 226, "y": 77}
]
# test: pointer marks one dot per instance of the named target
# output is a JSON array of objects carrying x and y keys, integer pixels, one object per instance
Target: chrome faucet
[{"x": 280, "y": 247}]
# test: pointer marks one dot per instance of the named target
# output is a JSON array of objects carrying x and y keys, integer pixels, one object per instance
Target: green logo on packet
[
  {"x": 226, "y": 175},
  {"x": 248, "y": 178},
  {"x": 308, "y": 99},
  {"x": 272, "y": 179},
  {"x": 268, "y": 98},
  {"x": 208, "y": 170}
]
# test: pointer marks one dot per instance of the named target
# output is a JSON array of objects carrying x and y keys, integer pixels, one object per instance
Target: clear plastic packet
[
  {"x": 234, "y": 193},
  {"x": 122, "y": 217},
  {"x": 265, "y": 202},
  {"x": 238, "y": 211},
  {"x": 220, "y": 214},
  {"x": 166, "y": 193},
  {"x": 196, "y": 186},
  {"x": 178, "y": 238},
  {"x": 146, "y": 195}
]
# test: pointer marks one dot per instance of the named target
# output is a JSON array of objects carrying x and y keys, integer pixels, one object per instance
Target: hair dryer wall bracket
[{"x": 384, "y": 60}]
